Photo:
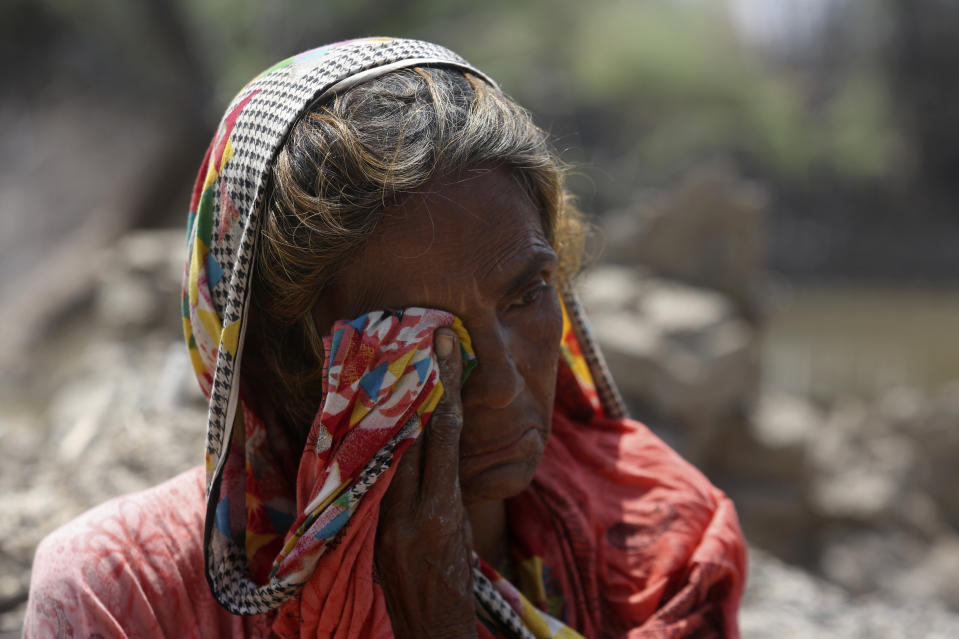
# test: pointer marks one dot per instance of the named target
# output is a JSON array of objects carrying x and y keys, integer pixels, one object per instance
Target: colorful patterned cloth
[
  {"x": 617, "y": 536},
  {"x": 250, "y": 508},
  {"x": 261, "y": 547}
]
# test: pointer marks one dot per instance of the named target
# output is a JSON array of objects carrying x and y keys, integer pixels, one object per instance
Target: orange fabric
[
  {"x": 637, "y": 542},
  {"x": 348, "y": 602},
  {"x": 132, "y": 568},
  {"x": 640, "y": 541}
]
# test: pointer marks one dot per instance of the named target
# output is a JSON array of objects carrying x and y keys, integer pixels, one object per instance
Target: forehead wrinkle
[{"x": 514, "y": 247}]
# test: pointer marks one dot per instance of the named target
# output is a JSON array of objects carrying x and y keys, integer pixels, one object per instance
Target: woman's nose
[{"x": 496, "y": 381}]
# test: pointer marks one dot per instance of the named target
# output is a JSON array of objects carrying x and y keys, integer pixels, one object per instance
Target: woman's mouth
[{"x": 526, "y": 446}]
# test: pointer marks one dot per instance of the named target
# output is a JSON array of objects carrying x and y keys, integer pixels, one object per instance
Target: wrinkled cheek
[
  {"x": 547, "y": 335},
  {"x": 552, "y": 332}
]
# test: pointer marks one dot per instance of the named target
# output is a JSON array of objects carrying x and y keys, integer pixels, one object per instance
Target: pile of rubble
[
  {"x": 106, "y": 404},
  {"x": 783, "y": 601},
  {"x": 859, "y": 494}
]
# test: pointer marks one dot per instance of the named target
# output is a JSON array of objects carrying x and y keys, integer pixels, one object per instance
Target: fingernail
[{"x": 443, "y": 345}]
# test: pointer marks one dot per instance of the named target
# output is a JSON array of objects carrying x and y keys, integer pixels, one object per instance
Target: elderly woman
[{"x": 410, "y": 432}]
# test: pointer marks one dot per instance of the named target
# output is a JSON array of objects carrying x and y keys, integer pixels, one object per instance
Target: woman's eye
[{"x": 533, "y": 293}]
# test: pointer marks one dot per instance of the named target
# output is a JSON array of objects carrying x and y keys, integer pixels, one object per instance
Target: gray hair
[{"x": 345, "y": 163}]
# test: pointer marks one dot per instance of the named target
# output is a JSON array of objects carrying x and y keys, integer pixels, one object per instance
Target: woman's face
[{"x": 474, "y": 247}]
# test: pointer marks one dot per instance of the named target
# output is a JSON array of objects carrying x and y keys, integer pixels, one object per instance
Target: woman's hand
[{"x": 424, "y": 541}]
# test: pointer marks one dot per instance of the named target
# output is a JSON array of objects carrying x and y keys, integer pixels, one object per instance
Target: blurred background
[{"x": 773, "y": 186}]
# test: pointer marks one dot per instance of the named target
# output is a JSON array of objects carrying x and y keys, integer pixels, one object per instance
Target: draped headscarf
[{"x": 304, "y": 553}]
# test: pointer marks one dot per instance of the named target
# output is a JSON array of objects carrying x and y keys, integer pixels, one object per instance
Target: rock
[
  {"x": 77, "y": 415},
  {"x": 866, "y": 560},
  {"x": 774, "y": 515},
  {"x": 861, "y": 467},
  {"x": 763, "y": 463},
  {"x": 14, "y": 585},
  {"x": 862, "y": 492},
  {"x": 677, "y": 352},
  {"x": 782, "y": 601},
  {"x": 707, "y": 231},
  {"x": 935, "y": 433},
  {"x": 865, "y": 491},
  {"x": 140, "y": 276},
  {"x": 683, "y": 311},
  {"x": 110, "y": 407},
  {"x": 933, "y": 577},
  {"x": 901, "y": 406},
  {"x": 785, "y": 421},
  {"x": 895, "y": 565}
]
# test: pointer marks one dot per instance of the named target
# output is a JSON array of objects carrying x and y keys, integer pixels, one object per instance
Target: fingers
[
  {"x": 405, "y": 485},
  {"x": 442, "y": 435},
  {"x": 429, "y": 469},
  {"x": 424, "y": 539}
]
